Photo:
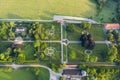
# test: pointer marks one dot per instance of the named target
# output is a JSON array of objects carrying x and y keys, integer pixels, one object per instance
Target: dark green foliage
[{"x": 87, "y": 41}]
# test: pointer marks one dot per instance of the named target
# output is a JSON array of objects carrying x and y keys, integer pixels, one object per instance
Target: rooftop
[{"x": 112, "y": 26}]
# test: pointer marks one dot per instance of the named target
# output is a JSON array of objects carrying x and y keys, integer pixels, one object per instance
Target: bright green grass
[
  {"x": 23, "y": 74},
  {"x": 45, "y": 9}
]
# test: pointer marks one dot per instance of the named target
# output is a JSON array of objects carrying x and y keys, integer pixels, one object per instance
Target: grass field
[
  {"x": 45, "y": 9},
  {"x": 24, "y": 74}
]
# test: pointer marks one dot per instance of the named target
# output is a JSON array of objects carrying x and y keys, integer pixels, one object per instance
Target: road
[{"x": 58, "y": 17}]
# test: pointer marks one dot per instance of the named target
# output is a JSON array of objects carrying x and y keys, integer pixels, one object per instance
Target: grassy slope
[
  {"x": 44, "y": 9},
  {"x": 22, "y": 74}
]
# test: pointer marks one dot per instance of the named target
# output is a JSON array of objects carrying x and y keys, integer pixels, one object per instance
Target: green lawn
[
  {"x": 24, "y": 74},
  {"x": 99, "y": 51},
  {"x": 45, "y": 9},
  {"x": 29, "y": 51},
  {"x": 95, "y": 30}
]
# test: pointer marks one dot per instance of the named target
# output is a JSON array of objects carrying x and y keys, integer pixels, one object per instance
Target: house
[
  {"x": 20, "y": 29},
  {"x": 72, "y": 74},
  {"x": 112, "y": 26}
]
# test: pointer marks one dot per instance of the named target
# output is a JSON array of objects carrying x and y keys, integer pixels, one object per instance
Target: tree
[
  {"x": 93, "y": 59},
  {"x": 2, "y": 56},
  {"x": 37, "y": 43},
  {"x": 72, "y": 55},
  {"x": 62, "y": 78},
  {"x": 42, "y": 56},
  {"x": 11, "y": 34},
  {"x": 110, "y": 37},
  {"x": 112, "y": 53},
  {"x": 86, "y": 25},
  {"x": 87, "y": 41},
  {"x": 93, "y": 71},
  {"x": 115, "y": 33},
  {"x": 21, "y": 58},
  {"x": 12, "y": 24}
]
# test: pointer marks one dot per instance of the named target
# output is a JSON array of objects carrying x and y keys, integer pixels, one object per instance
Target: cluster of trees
[
  {"x": 86, "y": 25},
  {"x": 20, "y": 56},
  {"x": 6, "y": 30},
  {"x": 87, "y": 41},
  {"x": 11, "y": 55},
  {"x": 35, "y": 32},
  {"x": 90, "y": 58},
  {"x": 112, "y": 54},
  {"x": 114, "y": 51},
  {"x": 57, "y": 67},
  {"x": 5, "y": 56},
  {"x": 102, "y": 73},
  {"x": 113, "y": 36}
]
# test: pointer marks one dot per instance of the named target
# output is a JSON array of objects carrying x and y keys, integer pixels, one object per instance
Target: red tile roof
[{"x": 112, "y": 26}]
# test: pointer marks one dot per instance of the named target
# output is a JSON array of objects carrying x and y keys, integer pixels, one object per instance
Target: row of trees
[
  {"x": 112, "y": 54},
  {"x": 11, "y": 55},
  {"x": 100, "y": 73},
  {"x": 113, "y": 51}
]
